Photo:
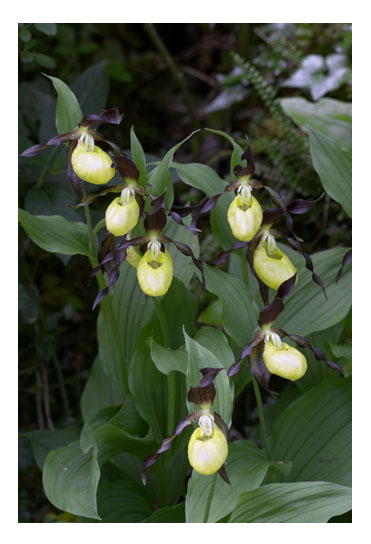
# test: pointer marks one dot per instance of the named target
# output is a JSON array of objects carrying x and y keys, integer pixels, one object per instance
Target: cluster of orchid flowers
[{"x": 87, "y": 161}]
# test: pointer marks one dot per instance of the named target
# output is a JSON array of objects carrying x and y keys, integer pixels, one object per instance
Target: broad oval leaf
[
  {"x": 240, "y": 312},
  {"x": 123, "y": 502},
  {"x": 70, "y": 479},
  {"x": 201, "y": 177},
  {"x": 246, "y": 467},
  {"x": 69, "y": 113},
  {"x": 306, "y": 309},
  {"x": 56, "y": 234},
  {"x": 301, "y": 502},
  {"x": 315, "y": 433},
  {"x": 333, "y": 164}
]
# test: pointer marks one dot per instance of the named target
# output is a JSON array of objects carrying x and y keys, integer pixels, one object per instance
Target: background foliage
[{"x": 288, "y": 88}]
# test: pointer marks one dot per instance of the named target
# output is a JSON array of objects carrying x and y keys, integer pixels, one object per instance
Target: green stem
[
  {"x": 210, "y": 498},
  {"x": 263, "y": 433},
  {"x": 171, "y": 375},
  {"x": 106, "y": 302}
]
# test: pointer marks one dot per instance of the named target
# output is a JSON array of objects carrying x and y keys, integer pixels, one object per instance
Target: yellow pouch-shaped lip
[
  {"x": 244, "y": 223},
  {"x": 92, "y": 166},
  {"x": 120, "y": 218},
  {"x": 272, "y": 270},
  {"x": 207, "y": 454},
  {"x": 287, "y": 362},
  {"x": 155, "y": 276}
]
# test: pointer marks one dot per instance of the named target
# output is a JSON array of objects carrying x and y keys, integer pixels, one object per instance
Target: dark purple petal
[
  {"x": 111, "y": 116},
  {"x": 155, "y": 221},
  {"x": 33, "y": 150},
  {"x": 224, "y": 256},
  {"x": 202, "y": 395},
  {"x": 76, "y": 181},
  {"x": 126, "y": 167},
  {"x": 186, "y": 250},
  {"x": 346, "y": 260},
  {"x": 208, "y": 375},
  {"x": 167, "y": 442},
  {"x": 221, "y": 424},
  {"x": 223, "y": 474},
  {"x": 103, "y": 192},
  {"x": 245, "y": 171},
  {"x": 258, "y": 368},
  {"x": 303, "y": 343},
  {"x": 301, "y": 206},
  {"x": 61, "y": 138}
]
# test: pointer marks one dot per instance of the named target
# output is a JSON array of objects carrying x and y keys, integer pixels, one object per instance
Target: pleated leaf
[
  {"x": 70, "y": 479},
  {"x": 301, "y": 502},
  {"x": 246, "y": 466},
  {"x": 56, "y": 234},
  {"x": 69, "y": 113},
  {"x": 306, "y": 309},
  {"x": 240, "y": 312},
  {"x": 315, "y": 433},
  {"x": 201, "y": 177},
  {"x": 333, "y": 164}
]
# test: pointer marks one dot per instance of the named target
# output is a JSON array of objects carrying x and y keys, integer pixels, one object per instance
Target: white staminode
[
  {"x": 274, "y": 338},
  {"x": 154, "y": 246},
  {"x": 126, "y": 195},
  {"x": 87, "y": 140},
  {"x": 271, "y": 242},
  {"x": 244, "y": 190},
  {"x": 206, "y": 422}
]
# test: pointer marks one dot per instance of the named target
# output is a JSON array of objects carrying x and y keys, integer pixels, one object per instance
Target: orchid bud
[
  {"x": 122, "y": 217},
  {"x": 284, "y": 361},
  {"x": 132, "y": 257},
  {"x": 155, "y": 272},
  {"x": 207, "y": 451},
  {"x": 92, "y": 164},
  {"x": 244, "y": 217},
  {"x": 272, "y": 268}
]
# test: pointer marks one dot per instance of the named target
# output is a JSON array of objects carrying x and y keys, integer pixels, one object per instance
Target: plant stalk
[
  {"x": 263, "y": 433},
  {"x": 210, "y": 498}
]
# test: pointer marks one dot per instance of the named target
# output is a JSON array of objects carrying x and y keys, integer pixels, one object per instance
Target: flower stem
[
  {"x": 210, "y": 498},
  {"x": 261, "y": 419},
  {"x": 171, "y": 375},
  {"x": 106, "y": 302}
]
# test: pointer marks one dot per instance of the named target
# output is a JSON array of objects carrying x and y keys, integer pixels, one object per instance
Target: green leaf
[
  {"x": 54, "y": 233},
  {"x": 331, "y": 117},
  {"x": 315, "y": 432},
  {"x": 44, "y": 441},
  {"x": 69, "y": 113},
  {"x": 200, "y": 357},
  {"x": 44, "y": 60},
  {"x": 219, "y": 222},
  {"x": 333, "y": 164},
  {"x": 167, "y": 360},
  {"x": 302, "y": 502},
  {"x": 306, "y": 309},
  {"x": 98, "y": 391},
  {"x": 123, "y": 502},
  {"x": 246, "y": 467},
  {"x": 240, "y": 312},
  {"x": 169, "y": 514},
  {"x": 91, "y": 88},
  {"x": 159, "y": 177},
  {"x": 237, "y": 149},
  {"x": 70, "y": 479},
  {"x": 50, "y": 29},
  {"x": 138, "y": 157},
  {"x": 201, "y": 177},
  {"x": 212, "y": 315}
]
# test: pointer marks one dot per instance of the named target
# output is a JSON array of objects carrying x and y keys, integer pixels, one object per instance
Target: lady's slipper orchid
[
  {"x": 155, "y": 268},
  {"x": 155, "y": 272},
  {"x": 271, "y": 265},
  {"x": 208, "y": 445},
  {"x": 85, "y": 160},
  {"x": 284, "y": 360},
  {"x": 122, "y": 215},
  {"x": 268, "y": 354}
]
